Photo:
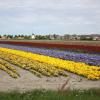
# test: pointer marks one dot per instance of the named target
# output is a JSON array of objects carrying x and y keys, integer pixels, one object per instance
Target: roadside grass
[{"x": 51, "y": 95}]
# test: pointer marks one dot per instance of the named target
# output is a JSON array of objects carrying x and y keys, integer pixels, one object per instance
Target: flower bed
[
  {"x": 53, "y": 45},
  {"x": 46, "y": 65},
  {"x": 89, "y": 59}
]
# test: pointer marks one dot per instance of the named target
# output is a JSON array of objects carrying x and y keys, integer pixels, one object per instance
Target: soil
[{"x": 28, "y": 81}]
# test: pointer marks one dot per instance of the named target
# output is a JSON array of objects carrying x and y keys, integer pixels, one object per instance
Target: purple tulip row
[{"x": 90, "y": 59}]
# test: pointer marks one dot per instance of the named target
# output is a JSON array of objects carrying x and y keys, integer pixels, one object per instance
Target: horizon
[
  {"x": 49, "y": 34},
  {"x": 49, "y": 17}
]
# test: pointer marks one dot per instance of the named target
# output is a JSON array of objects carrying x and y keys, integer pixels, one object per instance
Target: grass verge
[{"x": 51, "y": 95}]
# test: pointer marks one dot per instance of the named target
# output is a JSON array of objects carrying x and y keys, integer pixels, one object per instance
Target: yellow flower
[{"x": 91, "y": 72}]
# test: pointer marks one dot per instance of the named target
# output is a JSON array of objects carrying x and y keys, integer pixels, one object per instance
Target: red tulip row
[{"x": 55, "y": 45}]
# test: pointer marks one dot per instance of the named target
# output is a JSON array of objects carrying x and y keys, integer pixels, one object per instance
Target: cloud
[{"x": 58, "y": 16}]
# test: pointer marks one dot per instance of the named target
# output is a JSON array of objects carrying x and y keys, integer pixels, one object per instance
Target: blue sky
[{"x": 49, "y": 16}]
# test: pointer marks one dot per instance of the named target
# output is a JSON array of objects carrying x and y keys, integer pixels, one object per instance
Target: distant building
[
  {"x": 95, "y": 37},
  {"x": 77, "y": 37},
  {"x": 33, "y": 36},
  {"x": 65, "y": 37},
  {"x": 70, "y": 37},
  {"x": 57, "y": 37},
  {"x": 86, "y": 37},
  {"x": 3, "y": 37},
  {"x": 51, "y": 37}
]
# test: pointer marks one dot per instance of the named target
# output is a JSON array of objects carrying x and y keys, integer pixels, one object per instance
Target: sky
[{"x": 49, "y": 16}]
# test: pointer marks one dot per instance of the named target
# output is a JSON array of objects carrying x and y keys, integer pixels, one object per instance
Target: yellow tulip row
[
  {"x": 9, "y": 66},
  {"x": 5, "y": 66},
  {"x": 35, "y": 67},
  {"x": 91, "y": 72}
]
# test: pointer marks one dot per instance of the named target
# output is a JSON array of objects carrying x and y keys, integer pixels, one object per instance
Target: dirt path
[{"x": 28, "y": 81}]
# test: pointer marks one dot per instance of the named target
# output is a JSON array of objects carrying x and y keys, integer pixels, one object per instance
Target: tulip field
[{"x": 48, "y": 62}]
